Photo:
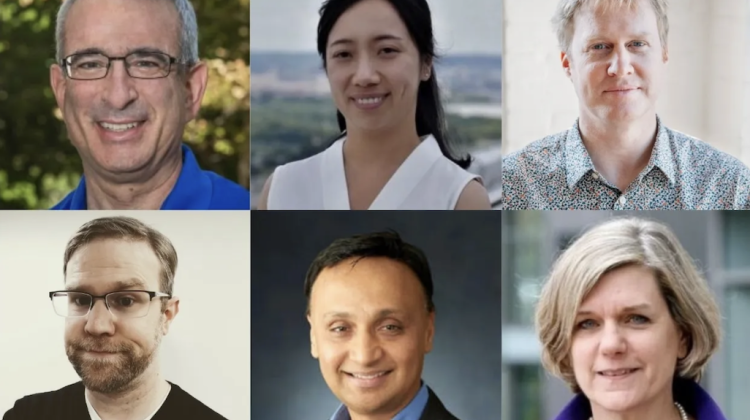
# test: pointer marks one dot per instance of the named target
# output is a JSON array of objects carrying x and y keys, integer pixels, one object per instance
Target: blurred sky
[{"x": 461, "y": 26}]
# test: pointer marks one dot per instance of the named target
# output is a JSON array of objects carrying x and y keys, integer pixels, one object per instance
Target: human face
[
  {"x": 616, "y": 62},
  {"x": 158, "y": 108},
  {"x": 370, "y": 330},
  {"x": 374, "y": 68},
  {"x": 625, "y": 345},
  {"x": 111, "y": 354}
]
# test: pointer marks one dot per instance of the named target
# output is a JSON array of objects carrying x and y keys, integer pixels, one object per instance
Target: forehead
[
  {"x": 117, "y": 26},
  {"x": 614, "y": 18},
  {"x": 106, "y": 263},
  {"x": 368, "y": 19},
  {"x": 367, "y": 287},
  {"x": 625, "y": 286}
]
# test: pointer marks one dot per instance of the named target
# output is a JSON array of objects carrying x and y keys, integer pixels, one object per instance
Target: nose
[
  {"x": 620, "y": 63},
  {"x": 119, "y": 90},
  {"x": 366, "y": 73},
  {"x": 99, "y": 321},
  {"x": 365, "y": 349},
  {"x": 613, "y": 341}
]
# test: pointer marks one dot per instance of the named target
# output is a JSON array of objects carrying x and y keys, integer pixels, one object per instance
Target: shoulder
[
  {"x": 699, "y": 154},
  {"x": 294, "y": 185},
  {"x": 228, "y": 195},
  {"x": 435, "y": 410},
  {"x": 65, "y": 203},
  {"x": 537, "y": 153},
  {"x": 47, "y": 404},
  {"x": 473, "y": 197},
  {"x": 180, "y": 404}
]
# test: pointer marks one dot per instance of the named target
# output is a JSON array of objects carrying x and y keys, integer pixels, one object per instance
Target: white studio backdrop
[{"x": 207, "y": 350}]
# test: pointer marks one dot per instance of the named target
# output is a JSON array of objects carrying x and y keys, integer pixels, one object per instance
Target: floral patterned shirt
[{"x": 683, "y": 173}]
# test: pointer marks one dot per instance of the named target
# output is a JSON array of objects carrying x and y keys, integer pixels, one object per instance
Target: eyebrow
[
  {"x": 129, "y": 284},
  {"x": 384, "y": 37},
  {"x": 384, "y": 313},
  {"x": 96, "y": 50},
  {"x": 632, "y": 308},
  {"x": 638, "y": 35}
]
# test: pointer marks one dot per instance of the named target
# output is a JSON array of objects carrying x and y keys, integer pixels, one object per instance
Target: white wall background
[
  {"x": 707, "y": 91},
  {"x": 207, "y": 350}
]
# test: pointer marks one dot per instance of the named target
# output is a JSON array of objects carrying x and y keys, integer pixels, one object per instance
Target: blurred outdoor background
[
  {"x": 294, "y": 116},
  {"x": 531, "y": 240},
  {"x": 39, "y": 166}
]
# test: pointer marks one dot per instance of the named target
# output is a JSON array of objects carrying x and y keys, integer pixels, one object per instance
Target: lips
[
  {"x": 615, "y": 373},
  {"x": 119, "y": 127},
  {"x": 368, "y": 376}
]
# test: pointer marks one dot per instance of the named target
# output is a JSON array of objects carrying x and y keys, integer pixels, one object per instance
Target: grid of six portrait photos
[{"x": 173, "y": 293}]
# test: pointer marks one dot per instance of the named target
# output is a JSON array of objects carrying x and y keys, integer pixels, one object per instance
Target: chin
[{"x": 617, "y": 402}]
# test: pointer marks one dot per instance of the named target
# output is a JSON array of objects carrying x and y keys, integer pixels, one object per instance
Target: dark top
[
  {"x": 69, "y": 403},
  {"x": 435, "y": 410},
  {"x": 689, "y": 394},
  {"x": 195, "y": 189}
]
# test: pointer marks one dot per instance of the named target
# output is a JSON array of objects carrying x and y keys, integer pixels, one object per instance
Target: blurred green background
[{"x": 39, "y": 166}]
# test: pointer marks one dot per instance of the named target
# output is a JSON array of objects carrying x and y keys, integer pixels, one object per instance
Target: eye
[
  {"x": 638, "y": 44},
  {"x": 586, "y": 324},
  {"x": 388, "y": 50},
  {"x": 338, "y": 329},
  {"x": 598, "y": 47},
  {"x": 342, "y": 54},
  {"x": 638, "y": 319}
]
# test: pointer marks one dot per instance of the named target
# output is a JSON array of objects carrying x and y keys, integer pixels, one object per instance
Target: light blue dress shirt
[{"x": 413, "y": 411}]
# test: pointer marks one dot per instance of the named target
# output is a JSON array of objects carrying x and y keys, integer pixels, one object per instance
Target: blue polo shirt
[{"x": 195, "y": 189}]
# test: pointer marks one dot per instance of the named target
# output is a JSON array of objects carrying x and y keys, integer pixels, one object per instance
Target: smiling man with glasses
[
  {"x": 128, "y": 80},
  {"x": 118, "y": 304}
]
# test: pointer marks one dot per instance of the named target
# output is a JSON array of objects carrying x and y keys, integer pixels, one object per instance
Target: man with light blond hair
[{"x": 619, "y": 154}]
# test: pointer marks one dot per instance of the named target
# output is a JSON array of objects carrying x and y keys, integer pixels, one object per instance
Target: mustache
[
  {"x": 99, "y": 346},
  {"x": 106, "y": 113}
]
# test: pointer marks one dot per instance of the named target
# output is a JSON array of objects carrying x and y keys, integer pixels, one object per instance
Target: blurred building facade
[
  {"x": 706, "y": 90},
  {"x": 717, "y": 241}
]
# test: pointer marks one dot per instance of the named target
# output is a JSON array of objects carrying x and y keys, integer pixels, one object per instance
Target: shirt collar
[
  {"x": 578, "y": 162},
  {"x": 413, "y": 411},
  {"x": 192, "y": 191},
  {"x": 689, "y": 393}
]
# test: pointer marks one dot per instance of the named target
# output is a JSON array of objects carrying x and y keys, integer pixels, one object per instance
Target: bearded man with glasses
[
  {"x": 128, "y": 79},
  {"x": 118, "y": 304}
]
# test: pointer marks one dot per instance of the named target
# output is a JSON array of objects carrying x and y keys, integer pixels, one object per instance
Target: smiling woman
[
  {"x": 393, "y": 151},
  {"x": 628, "y": 322}
]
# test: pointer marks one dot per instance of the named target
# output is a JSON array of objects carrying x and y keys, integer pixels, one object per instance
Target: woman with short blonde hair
[{"x": 629, "y": 323}]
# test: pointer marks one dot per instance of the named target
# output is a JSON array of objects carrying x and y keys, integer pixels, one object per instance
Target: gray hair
[{"x": 188, "y": 30}]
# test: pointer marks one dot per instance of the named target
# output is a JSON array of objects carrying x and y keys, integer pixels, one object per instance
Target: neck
[
  {"x": 146, "y": 190},
  {"x": 378, "y": 147},
  {"x": 388, "y": 414},
  {"x": 138, "y": 401},
  {"x": 619, "y": 151},
  {"x": 659, "y": 409}
]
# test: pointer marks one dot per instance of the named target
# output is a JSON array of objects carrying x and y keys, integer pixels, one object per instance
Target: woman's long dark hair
[{"x": 416, "y": 16}]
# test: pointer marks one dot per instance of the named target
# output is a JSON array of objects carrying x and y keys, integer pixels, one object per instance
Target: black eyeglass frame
[
  {"x": 66, "y": 62},
  {"x": 151, "y": 294}
]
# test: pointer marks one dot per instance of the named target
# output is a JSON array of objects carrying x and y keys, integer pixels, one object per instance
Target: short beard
[{"x": 112, "y": 375}]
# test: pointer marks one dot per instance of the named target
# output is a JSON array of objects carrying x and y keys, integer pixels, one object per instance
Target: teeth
[
  {"x": 358, "y": 376},
  {"x": 616, "y": 372},
  {"x": 118, "y": 127},
  {"x": 369, "y": 101}
]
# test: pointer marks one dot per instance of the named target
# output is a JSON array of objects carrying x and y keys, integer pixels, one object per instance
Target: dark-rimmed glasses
[
  {"x": 123, "y": 303},
  {"x": 139, "y": 65}
]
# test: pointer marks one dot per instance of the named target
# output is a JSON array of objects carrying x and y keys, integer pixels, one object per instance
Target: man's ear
[
  {"x": 196, "y": 81},
  {"x": 313, "y": 344},
  {"x": 170, "y": 312},
  {"x": 57, "y": 81},
  {"x": 565, "y": 60}
]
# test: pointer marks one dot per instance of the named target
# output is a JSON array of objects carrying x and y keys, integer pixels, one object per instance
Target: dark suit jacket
[{"x": 435, "y": 410}]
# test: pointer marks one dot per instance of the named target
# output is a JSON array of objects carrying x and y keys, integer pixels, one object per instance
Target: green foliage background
[{"x": 38, "y": 165}]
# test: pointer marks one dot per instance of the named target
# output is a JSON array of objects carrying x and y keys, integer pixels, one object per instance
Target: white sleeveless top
[{"x": 426, "y": 180}]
